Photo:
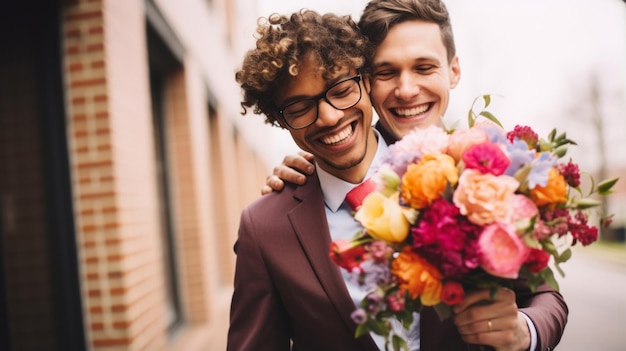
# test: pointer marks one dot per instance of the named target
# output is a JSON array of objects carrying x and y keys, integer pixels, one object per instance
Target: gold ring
[{"x": 490, "y": 325}]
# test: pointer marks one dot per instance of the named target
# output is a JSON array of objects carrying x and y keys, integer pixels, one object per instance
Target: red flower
[
  {"x": 452, "y": 293},
  {"x": 447, "y": 239},
  {"x": 347, "y": 254},
  {"x": 581, "y": 231},
  {"x": 486, "y": 158},
  {"x": 570, "y": 172},
  {"x": 537, "y": 260},
  {"x": 525, "y": 133}
]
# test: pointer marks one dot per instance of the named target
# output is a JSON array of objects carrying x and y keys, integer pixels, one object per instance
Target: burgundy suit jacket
[{"x": 289, "y": 295}]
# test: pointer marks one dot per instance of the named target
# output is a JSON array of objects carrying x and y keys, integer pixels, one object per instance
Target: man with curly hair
[
  {"x": 412, "y": 68},
  {"x": 304, "y": 75}
]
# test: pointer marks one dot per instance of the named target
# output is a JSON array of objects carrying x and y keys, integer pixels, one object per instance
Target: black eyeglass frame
[{"x": 324, "y": 95}]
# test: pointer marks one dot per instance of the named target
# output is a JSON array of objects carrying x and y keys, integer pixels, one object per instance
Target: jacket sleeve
[
  {"x": 548, "y": 311},
  {"x": 257, "y": 319}
]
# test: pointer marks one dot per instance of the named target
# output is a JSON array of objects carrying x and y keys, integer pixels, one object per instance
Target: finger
[
  {"x": 299, "y": 162},
  {"x": 306, "y": 155},
  {"x": 472, "y": 298},
  {"x": 274, "y": 183},
  {"x": 266, "y": 189},
  {"x": 283, "y": 173}
]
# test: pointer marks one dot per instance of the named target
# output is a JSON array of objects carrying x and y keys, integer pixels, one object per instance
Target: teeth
[
  {"x": 338, "y": 137},
  {"x": 410, "y": 112}
]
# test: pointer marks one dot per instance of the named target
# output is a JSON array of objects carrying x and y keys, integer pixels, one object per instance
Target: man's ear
[{"x": 455, "y": 72}]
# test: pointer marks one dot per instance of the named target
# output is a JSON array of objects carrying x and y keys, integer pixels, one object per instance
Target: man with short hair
[{"x": 412, "y": 68}]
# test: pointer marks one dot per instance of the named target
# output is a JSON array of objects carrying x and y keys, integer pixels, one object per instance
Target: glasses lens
[
  {"x": 300, "y": 113},
  {"x": 345, "y": 94}
]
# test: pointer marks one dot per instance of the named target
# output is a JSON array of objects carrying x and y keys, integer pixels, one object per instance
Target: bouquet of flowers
[{"x": 461, "y": 209}]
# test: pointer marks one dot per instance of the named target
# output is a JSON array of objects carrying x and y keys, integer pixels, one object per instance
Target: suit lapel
[{"x": 308, "y": 219}]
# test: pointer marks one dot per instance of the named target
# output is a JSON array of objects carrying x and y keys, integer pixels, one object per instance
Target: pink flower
[
  {"x": 484, "y": 198},
  {"x": 379, "y": 251},
  {"x": 502, "y": 251},
  {"x": 522, "y": 208},
  {"x": 461, "y": 139},
  {"x": 486, "y": 158},
  {"x": 396, "y": 301}
]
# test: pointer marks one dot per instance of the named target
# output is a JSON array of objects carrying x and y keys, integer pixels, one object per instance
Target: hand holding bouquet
[{"x": 457, "y": 210}]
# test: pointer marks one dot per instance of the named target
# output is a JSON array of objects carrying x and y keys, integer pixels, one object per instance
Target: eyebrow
[{"x": 422, "y": 59}]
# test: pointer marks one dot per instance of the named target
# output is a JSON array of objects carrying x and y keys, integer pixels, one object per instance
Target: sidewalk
[{"x": 610, "y": 252}]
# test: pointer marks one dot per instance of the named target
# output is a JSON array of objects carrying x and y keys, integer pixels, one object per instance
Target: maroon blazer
[{"x": 289, "y": 295}]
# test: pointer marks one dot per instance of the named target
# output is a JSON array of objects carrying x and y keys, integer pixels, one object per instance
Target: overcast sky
[{"x": 540, "y": 57}]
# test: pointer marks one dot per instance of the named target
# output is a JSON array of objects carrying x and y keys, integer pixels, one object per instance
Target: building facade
[{"x": 124, "y": 164}]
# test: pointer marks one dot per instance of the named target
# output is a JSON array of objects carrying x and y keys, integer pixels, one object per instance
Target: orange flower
[
  {"x": 554, "y": 192},
  {"x": 418, "y": 277},
  {"x": 425, "y": 181}
]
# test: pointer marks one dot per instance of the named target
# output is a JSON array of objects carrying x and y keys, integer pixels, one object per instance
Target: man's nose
[
  {"x": 328, "y": 115},
  {"x": 407, "y": 87}
]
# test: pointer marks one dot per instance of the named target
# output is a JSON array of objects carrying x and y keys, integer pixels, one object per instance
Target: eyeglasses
[{"x": 342, "y": 95}]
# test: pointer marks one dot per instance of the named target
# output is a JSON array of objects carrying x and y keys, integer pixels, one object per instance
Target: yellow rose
[
  {"x": 554, "y": 192},
  {"x": 418, "y": 277},
  {"x": 425, "y": 181},
  {"x": 383, "y": 217}
]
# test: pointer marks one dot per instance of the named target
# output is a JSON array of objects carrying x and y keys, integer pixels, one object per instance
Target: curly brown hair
[{"x": 333, "y": 42}]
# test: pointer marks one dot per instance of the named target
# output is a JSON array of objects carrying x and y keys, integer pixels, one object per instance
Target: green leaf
[
  {"x": 552, "y": 134},
  {"x": 377, "y": 327},
  {"x": 470, "y": 118},
  {"x": 548, "y": 277},
  {"x": 564, "y": 256},
  {"x": 586, "y": 203},
  {"x": 399, "y": 344},
  {"x": 487, "y": 99},
  {"x": 560, "y": 151},
  {"x": 605, "y": 186},
  {"x": 491, "y": 117},
  {"x": 362, "y": 329}
]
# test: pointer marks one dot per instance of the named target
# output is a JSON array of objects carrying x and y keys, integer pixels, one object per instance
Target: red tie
[{"x": 355, "y": 197}]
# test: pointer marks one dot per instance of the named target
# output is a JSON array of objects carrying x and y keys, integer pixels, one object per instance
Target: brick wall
[
  {"x": 113, "y": 167},
  {"x": 213, "y": 175}
]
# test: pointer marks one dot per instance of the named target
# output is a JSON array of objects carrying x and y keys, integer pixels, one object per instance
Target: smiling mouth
[
  {"x": 413, "y": 111},
  {"x": 339, "y": 137}
]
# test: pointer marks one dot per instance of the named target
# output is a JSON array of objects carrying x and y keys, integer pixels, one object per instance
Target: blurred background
[{"x": 125, "y": 160}]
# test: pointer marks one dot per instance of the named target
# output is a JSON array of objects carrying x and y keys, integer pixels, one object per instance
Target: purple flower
[
  {"x": 540, "y": 169},
  {"x": 520, "y": 155},
  {"x": 359, "y": 316}
]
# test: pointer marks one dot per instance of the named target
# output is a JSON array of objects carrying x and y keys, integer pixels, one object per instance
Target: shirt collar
[{"x": 335, "y": 189}]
